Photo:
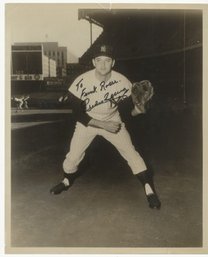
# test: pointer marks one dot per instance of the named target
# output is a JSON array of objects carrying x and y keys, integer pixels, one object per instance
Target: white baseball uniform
[
  {"x": 100, "y": 100},
  {"x": 20, "y": 102}
]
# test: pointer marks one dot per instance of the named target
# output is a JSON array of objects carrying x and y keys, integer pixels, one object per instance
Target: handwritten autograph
[
  {"x": 103, "y": 86},
  {"x": 85, "y": 93},
  {"x": 113, "y": 98}
]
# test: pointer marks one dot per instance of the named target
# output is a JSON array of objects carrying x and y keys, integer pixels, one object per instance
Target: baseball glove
[{"x": 141, "y": 93}]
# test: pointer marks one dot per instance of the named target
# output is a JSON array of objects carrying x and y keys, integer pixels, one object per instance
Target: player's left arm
[{"x": 126, "y": 105}]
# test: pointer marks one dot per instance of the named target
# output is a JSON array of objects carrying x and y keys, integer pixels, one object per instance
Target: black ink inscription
[
  {"x": 86, "y": 93},
  {"x": 104, "y": 86},
  {"x": 79, "y": 84},
  {"x": 116, "y": 97},
  {"x": 113, "y": 98}
]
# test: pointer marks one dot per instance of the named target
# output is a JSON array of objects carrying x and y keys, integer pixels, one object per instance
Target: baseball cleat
[
  {"x": 59, "y": 189},
  {"x": 154, "y": 202}
]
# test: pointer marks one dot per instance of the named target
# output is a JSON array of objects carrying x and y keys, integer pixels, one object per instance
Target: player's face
[{"x": 103, "y": 64}]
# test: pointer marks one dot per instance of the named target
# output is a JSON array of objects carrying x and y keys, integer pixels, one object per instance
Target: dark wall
[
  {"x": 169, "y": 74},
  {"x": 25, "y": 87}
]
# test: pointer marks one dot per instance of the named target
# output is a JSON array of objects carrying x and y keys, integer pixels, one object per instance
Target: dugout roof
[{"x": 141, "y": 33}]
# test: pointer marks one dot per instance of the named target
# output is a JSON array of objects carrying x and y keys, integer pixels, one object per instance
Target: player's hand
[{"x": 111, "y": 126}]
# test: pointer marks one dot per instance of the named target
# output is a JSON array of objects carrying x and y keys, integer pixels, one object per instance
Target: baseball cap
[{"x": 103, "y": 50}]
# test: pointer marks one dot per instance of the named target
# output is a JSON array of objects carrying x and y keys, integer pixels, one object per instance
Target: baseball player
[
  {"x": 25, "y": 101},
  {"x": 19, "y": 101},
  {"x": 95, "y": 96}
]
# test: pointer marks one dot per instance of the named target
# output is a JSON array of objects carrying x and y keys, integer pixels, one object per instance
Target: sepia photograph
[{"x": 104, "y": 128}]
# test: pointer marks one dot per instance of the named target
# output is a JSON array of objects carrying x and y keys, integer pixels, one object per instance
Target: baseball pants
[{"x": 82, "y": 138}]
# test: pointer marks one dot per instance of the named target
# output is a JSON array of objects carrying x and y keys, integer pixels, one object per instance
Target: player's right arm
[
  {"x": 78, "y": 109},
  {"x": 81, "y": 116},
  {"x": 74, "y": 98},
  {"x": 110, "y": 126}
]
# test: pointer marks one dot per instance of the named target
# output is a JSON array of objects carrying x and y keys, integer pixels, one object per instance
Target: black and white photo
[{"x": 106, "y": 128}]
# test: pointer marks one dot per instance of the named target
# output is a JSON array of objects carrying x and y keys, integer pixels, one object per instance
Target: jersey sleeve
[
  {"x": 128, "y": 85},
  {"x": 76, "y": 103},
  {"x": 78, "y": 109},
  {"x": 125, "y": 84},
  {"x": 126, "y": 105},
  {"x": 76, "y": 86}
]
